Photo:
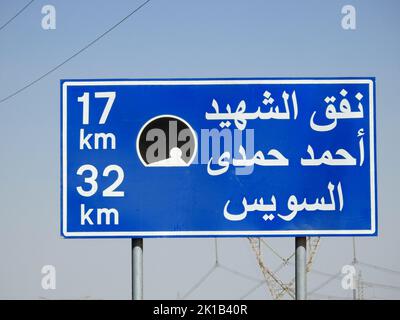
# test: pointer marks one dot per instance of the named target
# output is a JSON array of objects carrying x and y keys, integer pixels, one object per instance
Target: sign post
[
  {"x": 137, "y": 268},
  {"x": 228, "y": 157},
  {"x": 300, "y": 266}
]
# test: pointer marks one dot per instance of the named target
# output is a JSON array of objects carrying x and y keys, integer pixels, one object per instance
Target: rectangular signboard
[{"x": 218, "y": 157}]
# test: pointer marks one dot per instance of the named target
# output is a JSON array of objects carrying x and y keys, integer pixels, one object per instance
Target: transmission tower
[
  {"x": 277, "y": 288},
  {"x": 274, "y": 284},
  {"x": 360, "y": 286},
  {"x": 312, "y": 246}
]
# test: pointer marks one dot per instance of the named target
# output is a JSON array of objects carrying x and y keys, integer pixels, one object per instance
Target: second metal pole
[
  {"x": 137, "y": 269},
  {"x": 300, "y": 266}
]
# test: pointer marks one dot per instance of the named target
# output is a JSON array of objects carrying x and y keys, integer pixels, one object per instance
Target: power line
[
  {"x": 331, "y": 278},
  {"x": 16, "y": 15},
  {"x": 337, "y": 275},
  {"x": 274, "y": 251},
  {"x": 75, "y": 54},
  {"x": 381, "y": 285},
  {"x": 253, "y": 289},
  {"x": 238, "y": 273},
  {"x": 283, "y": 264},
  {"x": 217, "y": 265},
  {"x": 376, "y": 267},
  {"x": 201, "y": 280},
  {"x": 330, "y": 297}
]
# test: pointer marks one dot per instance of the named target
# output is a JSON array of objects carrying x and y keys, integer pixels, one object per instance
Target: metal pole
[
  {"x": 300, "y": 266},
  {"x": 137, "y": 269}
]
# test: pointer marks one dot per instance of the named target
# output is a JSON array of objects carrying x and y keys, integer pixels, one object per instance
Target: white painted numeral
[
  {"x": 85, "y": 101},
  {"x": 110, "y": 96},
  {"x": 91, "y": 180},
  {"x": 110, "y": 191}
]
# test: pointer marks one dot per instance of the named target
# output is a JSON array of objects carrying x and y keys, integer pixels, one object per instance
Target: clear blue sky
[{"x": 176, "y": 39}]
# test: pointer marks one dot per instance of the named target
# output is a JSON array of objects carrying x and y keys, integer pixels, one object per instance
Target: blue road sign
[{"x": 218, "y": 157}]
